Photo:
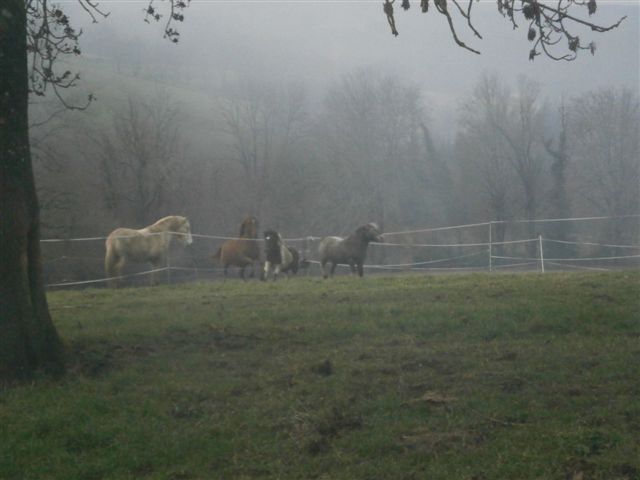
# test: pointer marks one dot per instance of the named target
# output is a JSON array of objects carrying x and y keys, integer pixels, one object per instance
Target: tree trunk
[{"x": 28, "y": 340}]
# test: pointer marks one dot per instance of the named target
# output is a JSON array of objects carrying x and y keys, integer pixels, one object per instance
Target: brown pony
[
  {"x": 241, "y": 252},
  {"x": 149, "y": 244}
]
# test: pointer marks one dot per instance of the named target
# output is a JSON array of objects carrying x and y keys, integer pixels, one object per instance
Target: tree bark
[{"x": 29, "y": 341}]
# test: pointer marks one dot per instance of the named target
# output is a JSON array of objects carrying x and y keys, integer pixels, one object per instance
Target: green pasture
[{"x": 387, "y": 377}]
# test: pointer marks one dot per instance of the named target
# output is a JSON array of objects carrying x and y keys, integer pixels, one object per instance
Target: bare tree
[
  {"x": 34, "y": 34},
  {"x": 484, "y": 148},
  {"x": 521, "y": 129},
  {"x": 139, "y": 159},
  {"x": 604, "y": 132},
  {"x": 264, "y": 124},
  {"x": 372, "y": 136},
  {"x": 558, "y": 150}
]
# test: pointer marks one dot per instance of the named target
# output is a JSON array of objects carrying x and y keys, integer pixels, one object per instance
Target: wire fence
[{"x": 497, "y": 246}]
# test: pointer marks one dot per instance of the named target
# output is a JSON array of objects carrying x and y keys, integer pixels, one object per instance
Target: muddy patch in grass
[
  {"x": 426, "y": 440},
  {"x": 96, "y": 358},
  {"x": 314, "y": 432},
  {"x": 438, "y": 366}
]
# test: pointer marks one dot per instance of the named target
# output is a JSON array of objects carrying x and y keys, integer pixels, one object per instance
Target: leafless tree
[
  {"x": 138, "y": 159},
  {"x": 485, "y": 150},
  {"x": 264, "y": 124},
  {"x": 371, "y": 133},
  {"x": 604, "y": 131},
  {"x": 559, "y": 198}
]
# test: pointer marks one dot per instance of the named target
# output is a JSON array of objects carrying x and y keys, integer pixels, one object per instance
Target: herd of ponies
[{"x": 151, "y": 244}]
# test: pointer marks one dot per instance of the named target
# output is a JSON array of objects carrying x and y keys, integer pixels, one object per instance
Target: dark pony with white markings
[
  {"x": 149, "y": 244},
  {"x": 350, "y": 251},
  {"x": 279, "y": 257},
  {"x": 241, "y": 252}
]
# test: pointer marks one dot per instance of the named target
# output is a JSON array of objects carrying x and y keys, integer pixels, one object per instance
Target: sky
[{"x": 316, "y": 42}]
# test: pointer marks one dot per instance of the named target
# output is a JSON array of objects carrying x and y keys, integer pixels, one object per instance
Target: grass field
[{"x": 400, "y": 377}]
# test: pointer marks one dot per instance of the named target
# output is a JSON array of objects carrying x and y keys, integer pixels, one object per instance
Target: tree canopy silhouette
[{"x": 550, "y": 27}]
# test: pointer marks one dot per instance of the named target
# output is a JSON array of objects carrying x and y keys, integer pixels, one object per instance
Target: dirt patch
[
  {"x": 431, "y": 398},
  {"x": 315, "y": 431},
  {"x": 603, "y": 297},
  {"x": 330, "y": 427},
  {"x": 427, "y": 440},
  {"x": 579, "y": 470},
  {"x": 95, "y": 358},
  {"x": 434, "y": 364}
]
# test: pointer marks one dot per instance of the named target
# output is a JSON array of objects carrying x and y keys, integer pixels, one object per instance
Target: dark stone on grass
[{"x": 325, "y": 368}]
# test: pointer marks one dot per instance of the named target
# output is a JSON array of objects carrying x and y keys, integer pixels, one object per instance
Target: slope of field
[{"x": 447, "y": 377}]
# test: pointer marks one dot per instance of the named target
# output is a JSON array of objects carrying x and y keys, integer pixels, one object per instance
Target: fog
[
  {"x": 317, "y": 42},
  {"x": 315, "y": 118}
]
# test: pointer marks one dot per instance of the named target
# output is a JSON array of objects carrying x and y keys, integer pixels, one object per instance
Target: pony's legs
[
  {"x": 333, "y": 267},
  {"x": 116, "y": 271},
  {"x": 266, "y": 270},
  {"x": 155, "y": 276},
  {"x": 276, "y": 273},
  {"x": 360, "y": 270},
  {"x": 113, "y": 267},
  {"x": 324, "y": 270},
  {"x": 247, "y": 261}
]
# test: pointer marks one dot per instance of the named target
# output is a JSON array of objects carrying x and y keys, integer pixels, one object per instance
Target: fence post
[
  {"x": 490, "y": 249},
  {"x": 541, "y": 253}
]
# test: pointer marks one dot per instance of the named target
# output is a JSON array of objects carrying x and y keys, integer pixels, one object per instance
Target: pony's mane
[{"x": 165, "y": 223}]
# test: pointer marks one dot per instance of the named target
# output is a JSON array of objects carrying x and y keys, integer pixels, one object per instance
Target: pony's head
[
  {"x": 272, "y": 239},
  {"x": 370, "y": 233},
  {"x": 249, "y": 227},
  {"x": 175, "y": 224},
  {"x": 183, "y": 227}
]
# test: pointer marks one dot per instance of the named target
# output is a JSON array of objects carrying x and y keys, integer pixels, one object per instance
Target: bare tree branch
[{"x": 549, "y": 25}]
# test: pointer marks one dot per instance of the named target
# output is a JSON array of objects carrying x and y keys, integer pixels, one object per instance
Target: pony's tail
[{"x": 110, "y": 259}]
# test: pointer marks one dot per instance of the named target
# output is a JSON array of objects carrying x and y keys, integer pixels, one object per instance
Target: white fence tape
[
  {"x": 588, "y": 259},
  {"x": 104, "y": 280},
  {"x": 437, "y": 229},
  {"x": 513, "y": 265},
  {"x": 479, "y": 244},
  {"x": 580, "y": 267},
  {"x": 413, "y": 266},
  {"x": 574, "y": 219},
  {"x": 422, "y": 230},
  {"x": 589, "y": 243}
]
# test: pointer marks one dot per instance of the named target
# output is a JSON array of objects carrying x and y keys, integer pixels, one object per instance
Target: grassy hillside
[{"x": 447, "y": 377}]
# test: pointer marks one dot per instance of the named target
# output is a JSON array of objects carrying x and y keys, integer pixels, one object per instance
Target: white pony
[{"x": 149, "y": 244}]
